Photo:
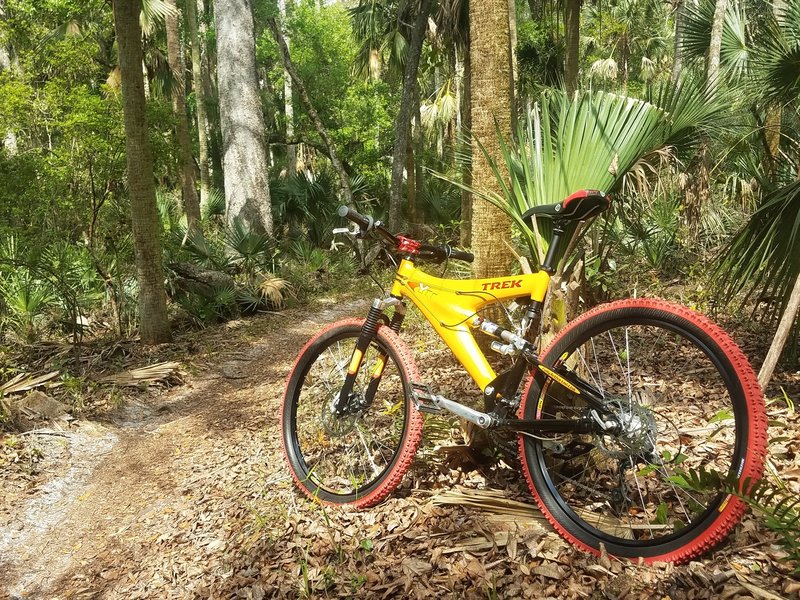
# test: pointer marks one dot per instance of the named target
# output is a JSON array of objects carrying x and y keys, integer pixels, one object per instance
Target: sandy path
[{"x": 127, "y": 484}]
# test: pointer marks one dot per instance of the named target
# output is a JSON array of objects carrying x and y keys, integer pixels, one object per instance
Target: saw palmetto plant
[{"x": 591, "y": 140}]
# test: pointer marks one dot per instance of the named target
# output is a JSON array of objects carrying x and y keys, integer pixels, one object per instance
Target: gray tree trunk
[
  {"x": 191, "y": 204},
  {"x": 781, "y": 335},
  {"x": 715, "y": 44},
  {"x": 153, "y": 323},
  {"x": 291, "y": 149},
  {"x": 241, "y": 117},
  {"x": 677, "y": 63},
  {"x": 406, "y": 113},
  {"x": 200, "y": 100}
]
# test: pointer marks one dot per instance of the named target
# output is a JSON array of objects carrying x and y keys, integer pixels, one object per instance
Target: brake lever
[{"x": 353, "y": 232}]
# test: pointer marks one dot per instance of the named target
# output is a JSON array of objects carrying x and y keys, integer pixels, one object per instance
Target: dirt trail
[{"x": 128, "y": 483}]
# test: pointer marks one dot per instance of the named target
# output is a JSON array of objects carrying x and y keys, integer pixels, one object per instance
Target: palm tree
[
  {"x": 491, "y": 99},
  {"x": 200, "y": 100},
  {"x": 191, "y": 204},
  {"x": 153, "y": 323}
]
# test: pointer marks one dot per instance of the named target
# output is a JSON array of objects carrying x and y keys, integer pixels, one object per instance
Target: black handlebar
[
  {"x": 436, "y": 253},
  {"x": 362, "y": 221}
]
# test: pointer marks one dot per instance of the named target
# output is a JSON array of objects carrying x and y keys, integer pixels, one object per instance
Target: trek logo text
[{"x": 502, "y": 285}]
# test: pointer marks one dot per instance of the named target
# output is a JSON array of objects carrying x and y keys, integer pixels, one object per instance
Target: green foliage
[
  {"x": 764, "y": 256},
  {"x": 777, "y": 505},
  {"x": 590, "y": 141}
]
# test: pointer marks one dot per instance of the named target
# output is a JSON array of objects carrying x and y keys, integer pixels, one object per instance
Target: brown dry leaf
[
  {"x": 549, "y": 570},
  {"x": 415, "y": 566},
  {"x": 475, "y": 569}
]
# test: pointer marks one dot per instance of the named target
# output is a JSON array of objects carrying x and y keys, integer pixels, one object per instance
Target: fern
[{"x": 778, "y": 506}]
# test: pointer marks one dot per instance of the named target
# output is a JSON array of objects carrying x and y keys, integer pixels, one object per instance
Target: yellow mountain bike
[{"x": 626, "y": 398}]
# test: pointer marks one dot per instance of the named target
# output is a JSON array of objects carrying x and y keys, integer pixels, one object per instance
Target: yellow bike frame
[{"x": 450, "y": 305}]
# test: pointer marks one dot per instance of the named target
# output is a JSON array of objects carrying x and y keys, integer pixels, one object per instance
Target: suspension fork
[{"x": 368, "y": 332}]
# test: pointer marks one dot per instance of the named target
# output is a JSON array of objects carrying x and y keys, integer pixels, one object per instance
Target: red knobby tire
[
  {"x": 360, "y": 458},
  {"x": 695, "y": 381}
]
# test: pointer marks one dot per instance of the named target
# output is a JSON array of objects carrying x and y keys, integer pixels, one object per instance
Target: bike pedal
[{"x": 424, "y": 398}]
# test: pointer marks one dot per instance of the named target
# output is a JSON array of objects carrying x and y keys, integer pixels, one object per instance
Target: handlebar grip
[
  {"x": 459, "y": 254},
  {"x": 362, "y": 221}
]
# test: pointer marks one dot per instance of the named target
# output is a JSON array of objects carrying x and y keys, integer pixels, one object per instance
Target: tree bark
[
  {"x": 715, "y": 44},
  {"x": 491, "y": 96},
  {"x": 288, "y": 105},
  {"x": 465, "y": 127},
  {"x": 241, "y": 117},
  {"x": 344, "y": 182},
  {"x": 191, "y": 204},
  {"x": 200, "y": 100},
  {"x": 153, "y": 323},
  {"x": 677, "y": 62},
  {"x": 572, "y": 33},
  {"x": 781, "y": 335},
  {"x": 406, "y": 112}
]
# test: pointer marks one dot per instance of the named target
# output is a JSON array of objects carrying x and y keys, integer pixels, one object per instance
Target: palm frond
[
  {"x": 590, "y": 140},
  {"x": 153, "y": 13},
  {"x": 764, "y": 257}
]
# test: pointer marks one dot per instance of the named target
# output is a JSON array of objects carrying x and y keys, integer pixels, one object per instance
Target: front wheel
[
  {"x": 358, "y": 454},
  {"x": 686, "y": 399}
]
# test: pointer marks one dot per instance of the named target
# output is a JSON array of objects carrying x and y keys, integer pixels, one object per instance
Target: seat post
[{"x": 548, "y": 265}]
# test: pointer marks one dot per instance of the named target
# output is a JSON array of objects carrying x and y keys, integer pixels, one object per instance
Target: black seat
[{"x": 579, "y": 206}]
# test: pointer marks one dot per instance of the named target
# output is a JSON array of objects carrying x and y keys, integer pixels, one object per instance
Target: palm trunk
[
  {"x": 677, "y": 63},
  {"x": 405, "y": 113},
  {"x": 191, "y": 205},
  {"x": 466, "y": 126},
  {"x": 153, "y": 323},
  {"x": 241, "y": 117},
  {"x": 715, "y": 44},
  {"x": 200, "y": 100},
  {"x": 572, "y": 31},
  {"x": 491, "y": 94}
]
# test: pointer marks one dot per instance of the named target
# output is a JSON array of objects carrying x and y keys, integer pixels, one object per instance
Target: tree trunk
[
  {"x": 200, "y": 100},
  {"x": 344, "y": 181},
  {"x": 512, "y": 31},
  {"x": 406, "y": 112},
  {"x": 773, "y": 117},
  {"x": 291, "y": 149},
  {"x": 491, "y": 96},
  {"x": 10, "y": 138},
  {"x": 714, "y": 46},
  {"x": 779, "y": 341},
  {"x": 153, "y": 323},
  {"x": 466, "y": 126},
  {"x": 241, "y": 117},
  {"x": 680, "y": 19},
  {"x": 191, "y": 205},
  {"x": 572, "y": 33}
]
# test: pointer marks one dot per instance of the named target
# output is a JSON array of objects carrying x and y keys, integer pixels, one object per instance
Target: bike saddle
[{"x": 576, "y": 207}]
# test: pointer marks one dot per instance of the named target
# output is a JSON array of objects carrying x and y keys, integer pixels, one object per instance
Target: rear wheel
[
  {"x": 686, "y": 399},
  {"x": 360, "y": 456}
]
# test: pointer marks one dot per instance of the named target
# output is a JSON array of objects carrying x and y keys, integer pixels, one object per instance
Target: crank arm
[{"x": 428, "y": 402}]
